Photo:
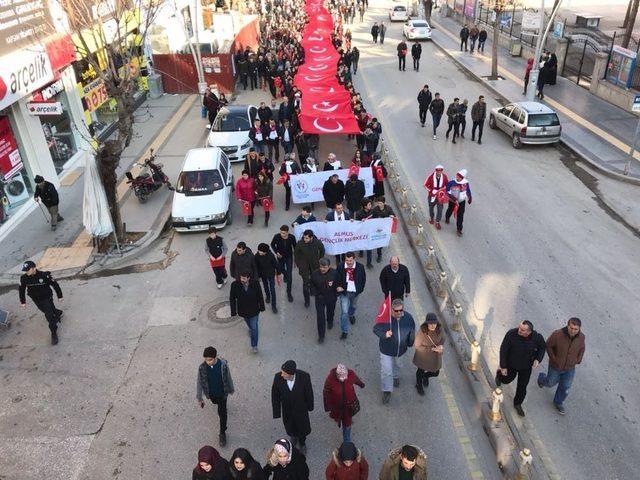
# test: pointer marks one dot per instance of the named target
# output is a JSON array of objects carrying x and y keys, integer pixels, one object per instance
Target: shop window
[{"x": 59, "y": 133}]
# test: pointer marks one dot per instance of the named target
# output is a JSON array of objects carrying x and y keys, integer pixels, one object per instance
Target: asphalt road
[
  {"x": 116, "y": 398},
  {"x": 544, "y": 240}
]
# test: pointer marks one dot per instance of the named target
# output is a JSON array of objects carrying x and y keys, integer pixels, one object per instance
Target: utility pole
[{"x": 535, "y": 72}]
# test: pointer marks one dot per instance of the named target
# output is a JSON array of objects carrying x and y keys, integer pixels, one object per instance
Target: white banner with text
[
  {"x": 307, "y": 187},
  {"x": 349, "y": 236}
]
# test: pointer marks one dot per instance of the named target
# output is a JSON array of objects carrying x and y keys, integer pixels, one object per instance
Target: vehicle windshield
[
  {"x": 419, "y": 24},
  {"x": 202, "y": 182},
  {"x": 543, "y": 120},
  {"x": 399, "y": 9},
  {"x": 232, "y": 122}
]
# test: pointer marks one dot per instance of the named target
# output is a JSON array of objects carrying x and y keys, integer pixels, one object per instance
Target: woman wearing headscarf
[
  {"x": 527, "y": 73},
  {"x": 340, "y": 398},
  {"x": 428, "y": 351},
  {"x": 552, "y": 66},
  {"x": 347, "y": 463},
  {"x": 285, "y": 462},
  {"x": 211, "y": 466},
  {"x": 242, "y": 466}
]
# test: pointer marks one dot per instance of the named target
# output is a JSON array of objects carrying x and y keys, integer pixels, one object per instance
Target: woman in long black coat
[
  {"x": 552, "y": 69},
  {"x": 293, "y": 405},
  {"x": 285, "y": 462}
]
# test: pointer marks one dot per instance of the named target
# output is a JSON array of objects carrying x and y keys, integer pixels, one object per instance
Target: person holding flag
[
  {"x": 435, "y": 183},
  {"x": 395, "y": 329},
  {"x": 459, "y": 192}
]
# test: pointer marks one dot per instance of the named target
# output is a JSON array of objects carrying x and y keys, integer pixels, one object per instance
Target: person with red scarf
[
  {"x": 246, "y": 193},
  {"x": 436, "y": 181},
  {"x": 273, "y": 140},
  {"x": 211, "y": 466},
  {"x": 340, "y": 398},
  {"x": 351, "y": 281}
]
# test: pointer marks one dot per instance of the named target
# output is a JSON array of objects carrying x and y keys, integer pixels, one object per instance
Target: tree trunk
[
  {"x": 494, "y": 47},
  {"x": 626, "y": 15},
  {"x": 631, "y": 22},
  {"x": 108, "y": 160}
]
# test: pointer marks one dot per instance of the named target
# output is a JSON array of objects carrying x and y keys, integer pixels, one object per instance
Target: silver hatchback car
[{"x": 527, "y": 123}]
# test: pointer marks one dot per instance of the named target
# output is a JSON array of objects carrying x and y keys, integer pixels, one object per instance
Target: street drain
[{"x": 220, "y": 313}]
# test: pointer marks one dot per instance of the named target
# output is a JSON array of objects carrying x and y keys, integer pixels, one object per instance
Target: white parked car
[
  {"x": 203, "y": 191},
  {"x": 398, "y": 13},
  {"x": 416, "y": 29},
  {"x": 230, "y": 130}
]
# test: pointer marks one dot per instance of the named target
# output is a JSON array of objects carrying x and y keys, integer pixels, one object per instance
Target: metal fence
[{"x": 510, "y": 24}]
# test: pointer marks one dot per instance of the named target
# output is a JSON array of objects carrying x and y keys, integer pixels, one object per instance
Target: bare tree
[
  {"x": 630, "y": 22},
  {"x": 498, "y": 7},
  {"x": 110, "y": 35}
]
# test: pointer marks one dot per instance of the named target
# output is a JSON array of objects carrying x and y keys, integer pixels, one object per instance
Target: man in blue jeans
[
  {"x": 246, "y": 300},
  {"x": 436, "y": 107},
  {"x": 565, "y": 348},
  {"x": 351, "y": 280}
]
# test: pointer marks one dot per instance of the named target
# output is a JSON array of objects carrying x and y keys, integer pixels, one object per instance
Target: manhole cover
[{"x": 220, "y": 313}]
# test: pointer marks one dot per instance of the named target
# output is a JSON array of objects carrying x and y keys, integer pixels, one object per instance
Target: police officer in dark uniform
[{"x": 38, "y": 286}]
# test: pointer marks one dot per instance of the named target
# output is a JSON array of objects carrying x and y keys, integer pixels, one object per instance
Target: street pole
[
  {"x": 533, "y": 76},
  {"x": 627, "y": 166}
]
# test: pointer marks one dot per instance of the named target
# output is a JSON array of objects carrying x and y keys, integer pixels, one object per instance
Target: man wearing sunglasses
[{"x": 395, "y": 338}]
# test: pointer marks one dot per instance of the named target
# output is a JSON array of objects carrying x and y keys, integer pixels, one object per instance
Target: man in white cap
[
  {"x": 459, "y": 192},
  {"x": 434, "y": 182}
]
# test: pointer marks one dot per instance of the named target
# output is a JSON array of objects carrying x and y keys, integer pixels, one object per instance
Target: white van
[{"x": 203, "y": 191}]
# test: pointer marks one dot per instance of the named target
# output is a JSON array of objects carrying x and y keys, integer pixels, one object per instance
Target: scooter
[{"x": 146, "y": 183}]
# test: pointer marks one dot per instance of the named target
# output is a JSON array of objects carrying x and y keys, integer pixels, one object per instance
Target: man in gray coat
[
  {"x": 214, "y": 381},
  {"x": 478, "y": 114}
]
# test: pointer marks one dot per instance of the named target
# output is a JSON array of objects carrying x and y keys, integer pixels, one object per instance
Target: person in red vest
[{"x": 435, "y": 182}]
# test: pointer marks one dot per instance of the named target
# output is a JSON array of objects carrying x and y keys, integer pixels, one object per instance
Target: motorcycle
[{"x": 148, "y": 181}]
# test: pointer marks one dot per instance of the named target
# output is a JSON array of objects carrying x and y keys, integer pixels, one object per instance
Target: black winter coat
[
  {"x": 283, "y": 247},
  {"x": 297, "y": 468},
  {"x": 424, "y": 99},
  {"x": 324, "y": 285},
  {"x": 518, "y": 353},
  {"x": 293, "y": 405},
  {"x": 416, "y": 50},
  {"x": 247, "y": 303},
  {"x": 47, "y": 193},
  {"x": 359, "y": 277},
  {"x": 398, "y": 283},
  {"x": 333, "y": 193},
  {"x": 242, "y": 263},
  {"x": 267, "y": 265},
  {"x": 437, "y": 106},
  {"x": 354, "y": 193}
]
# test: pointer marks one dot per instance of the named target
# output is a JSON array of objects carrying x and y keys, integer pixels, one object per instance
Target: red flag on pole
[{"x": 384, "y": 312}]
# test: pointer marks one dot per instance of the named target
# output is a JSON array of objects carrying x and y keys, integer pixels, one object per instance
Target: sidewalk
[
  {"x": 600, "y": 132},
  {"x": 69, "y": 248}
]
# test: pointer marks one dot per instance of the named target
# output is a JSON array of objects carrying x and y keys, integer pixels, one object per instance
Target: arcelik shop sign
[{"x": 22, "y": 72}]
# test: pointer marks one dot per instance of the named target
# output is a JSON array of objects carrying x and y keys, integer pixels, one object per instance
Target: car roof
[
  {"x": 202, "y": 159},
  {"x": 534, "y": 107},
  {"x": 239, "y": 109}
]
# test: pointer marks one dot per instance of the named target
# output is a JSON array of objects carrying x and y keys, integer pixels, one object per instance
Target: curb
[
  {"x": 569, "y": 144},
  {"x": 505, "y": 436}
]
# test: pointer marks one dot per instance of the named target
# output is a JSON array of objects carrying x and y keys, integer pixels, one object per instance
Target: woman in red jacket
[
  {"x": 246, "y": 193},
  {"x": 340, "y": 398},
  {"x": 347, "y": 463}
]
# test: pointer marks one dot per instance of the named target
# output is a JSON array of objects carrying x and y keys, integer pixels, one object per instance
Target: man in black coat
[
  {"x": 283, "y": 245},
  {"x": 47, "y": 193},
  {"x": 242, "y": 260},
  {"x": 424, "y": 100},
  {"x": 522, "y": 350},
  {"x": 464, "y": 37},
  {"x": 352, "y": 278},
  {"x": 246, "y": 301},
  {"x": 395, "y": 279},
  {"x": 333, "y": 192},
  {"x": 38, "y": 286},
  {"x": 324, "y": 282},
  {"x": 267, "y": 267},
  {"x": 416, "y": 53},
  {"x": 354, "y": 192},
  {"x": 292, "y": 399}
]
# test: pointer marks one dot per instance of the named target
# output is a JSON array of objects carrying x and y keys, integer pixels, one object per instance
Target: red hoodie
[{"x": 245, "y": 189}]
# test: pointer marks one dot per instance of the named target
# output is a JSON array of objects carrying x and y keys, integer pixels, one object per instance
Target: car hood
[
  {"x": 198, "y": 206},
  {"x": 228, "y": 139}
]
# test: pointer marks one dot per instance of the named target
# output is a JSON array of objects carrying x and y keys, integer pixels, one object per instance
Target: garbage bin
[
  {"x": 155, "y": 85},
  {"x": 515, "y": 48}
]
